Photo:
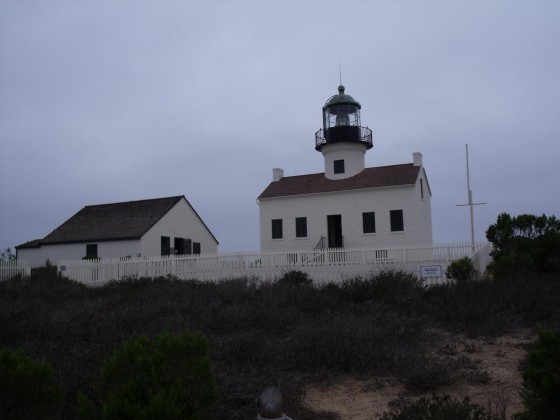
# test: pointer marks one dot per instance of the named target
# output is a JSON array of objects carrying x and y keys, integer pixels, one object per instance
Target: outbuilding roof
[
  {"x": 109, "y": 222},
  {"x": 383, "y": 176}
]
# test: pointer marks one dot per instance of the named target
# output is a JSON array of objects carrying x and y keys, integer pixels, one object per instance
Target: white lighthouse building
[{"x": 348, "y": 205}]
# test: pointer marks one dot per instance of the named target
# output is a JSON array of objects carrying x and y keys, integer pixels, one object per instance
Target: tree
[
  {"x": 525, "y": 243},
  {"x": 7, "y": 255}
]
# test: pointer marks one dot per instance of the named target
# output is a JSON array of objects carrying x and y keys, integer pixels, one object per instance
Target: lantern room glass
[{"x": 341, "y": 115}]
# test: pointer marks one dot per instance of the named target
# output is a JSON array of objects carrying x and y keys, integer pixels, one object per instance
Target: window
[
  {"x": 338, "y": 166},
  {"x": 179, "y": 246},
  {"x": 165, "y": 245},
  {"x": 196, "y": 248},
  {"x": 368, "y": 220},
  {"x": 91, "y": 250},
  {"x": 397, "y": 223},
  {"x": 422, "y": 188},
  {"x": 301, "y": 227},
  {"x": 276, "y": 228},
  {"x": 182, "y": 246}
]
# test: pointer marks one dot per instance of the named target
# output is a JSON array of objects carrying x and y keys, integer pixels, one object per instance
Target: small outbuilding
[{"x": 154, "y": 227}]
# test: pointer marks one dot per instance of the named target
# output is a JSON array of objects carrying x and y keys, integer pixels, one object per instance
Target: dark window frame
[
  {"x": 397, "y": 220},
  {"x": 301, "y": 227},
  {"x": 368, "y": 222},
  {"x": 179, "y": 246},
  {"x": 277, "y": 229},
  {"x": 165, "y": 245},
  {"x": 92, "y": 251},
  {"x": 196, "y": 250}
]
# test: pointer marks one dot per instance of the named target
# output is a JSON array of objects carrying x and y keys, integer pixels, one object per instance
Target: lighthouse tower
[{"x": 342, "y": 140}]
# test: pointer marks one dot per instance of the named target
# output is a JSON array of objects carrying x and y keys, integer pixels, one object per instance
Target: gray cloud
[{"x": 114, "y": 101}]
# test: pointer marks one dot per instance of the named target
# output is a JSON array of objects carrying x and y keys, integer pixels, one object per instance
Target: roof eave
[
  {"x": 83, "y": 241},
  {"x": 201, "y": 221},
  {"x": 340, "y": 191}
]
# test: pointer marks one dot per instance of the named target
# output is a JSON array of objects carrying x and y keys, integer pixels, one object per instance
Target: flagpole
[{"x": 469, "y": 197}]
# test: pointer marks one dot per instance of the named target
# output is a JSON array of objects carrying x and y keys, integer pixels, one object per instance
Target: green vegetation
[
  {"x": 440, "y": 408},
  {"x": 169, "y": 377},
  {"x": 541, "y": 378},
  {"x": 525, "y": 243},
  {"x": 462, "y": 270},
  {"x": 7, "y": 255},
  {"x": 287, "y": 333},
  {"x": 28, "y": 389}
]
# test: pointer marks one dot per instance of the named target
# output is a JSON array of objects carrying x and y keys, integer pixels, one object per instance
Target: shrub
[
  {"x": 28, "y": 389},
  {"x": 462, "y": 270},
  {"x": 352, "y": 342},
  {"x": 525, "y": 243},
  {"x": 541, "y": 378},
  {"x": 391, "y": 287},
  {"x": 169, "y": 377},
  {"x": 426, "y": 372},
  {"x": 47, "y": 271},
  {"x": 440, "y": 408},
  {"x": 295, "y": 278}
]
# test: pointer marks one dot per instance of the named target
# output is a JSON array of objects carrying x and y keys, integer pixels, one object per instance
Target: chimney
[
  {"x": 277, "y": 174},
  {"x": 417, "y": 159}
]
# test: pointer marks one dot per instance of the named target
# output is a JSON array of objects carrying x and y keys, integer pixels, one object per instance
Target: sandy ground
[{"x": 361, "y": 399}]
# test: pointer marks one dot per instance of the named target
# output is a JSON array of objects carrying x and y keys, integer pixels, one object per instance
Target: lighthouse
[
  {"x": 342, "y": 140},
  {"x": 347, "y": 205}
]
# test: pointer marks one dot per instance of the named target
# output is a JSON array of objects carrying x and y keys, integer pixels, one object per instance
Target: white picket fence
[
  {"x": 9, "y": 269},
  {"x": 323, "y": 265}
]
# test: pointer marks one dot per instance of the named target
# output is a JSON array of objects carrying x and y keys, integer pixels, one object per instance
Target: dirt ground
[{"x": 359, "y": 399}]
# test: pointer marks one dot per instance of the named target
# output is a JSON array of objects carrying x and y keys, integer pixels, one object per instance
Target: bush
[
  {"x": 541, "y": 378},
  {"x": 462, "y": 270},
  {"x": 426, "y": 372},
  {"x": 263, "y": 333},
  {"x": 28, "y": 389},
  {"x": 352, "y": 342},
  {"x": 390, "y": 287},
  {"x": 295, "y": 278},
  {"x": 524, "y": 243},
  {"x": 440, "y": 408},
  {"x": 47, "y": 271},
  {"x": 169, "y": 377}
]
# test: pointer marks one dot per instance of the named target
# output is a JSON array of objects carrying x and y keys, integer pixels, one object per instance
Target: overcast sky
[{"x": 111, "y": 101}]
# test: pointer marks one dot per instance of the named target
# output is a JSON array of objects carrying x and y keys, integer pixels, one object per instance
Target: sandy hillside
[{"x": 359, "y": 399}]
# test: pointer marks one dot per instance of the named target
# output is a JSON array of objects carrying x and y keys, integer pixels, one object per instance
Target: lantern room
[{"x": 341, "y": 122}]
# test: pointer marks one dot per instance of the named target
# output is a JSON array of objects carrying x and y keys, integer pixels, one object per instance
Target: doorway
[{"x": 334, "y": 229}]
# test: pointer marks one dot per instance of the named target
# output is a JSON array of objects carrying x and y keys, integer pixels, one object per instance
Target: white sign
[{"x": 427, "y": 271}]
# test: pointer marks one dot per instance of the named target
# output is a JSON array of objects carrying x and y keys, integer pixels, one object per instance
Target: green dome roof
[{"x": 341, "y": 99}]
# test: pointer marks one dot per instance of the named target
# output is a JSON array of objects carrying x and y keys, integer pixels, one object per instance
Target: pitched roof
[
  {"x": 383, "y": 176},
  {"x": 35, "y": 243},
  {"x": 116, "y": 221}
]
